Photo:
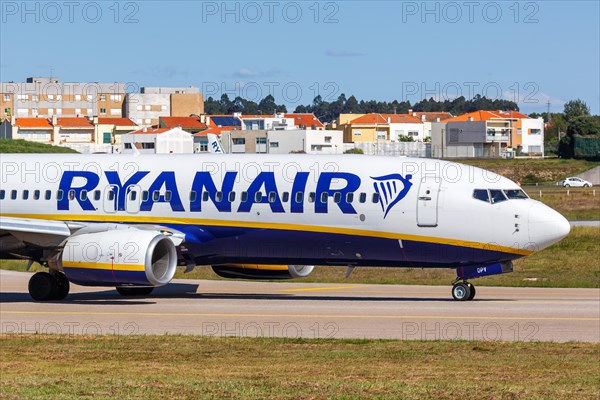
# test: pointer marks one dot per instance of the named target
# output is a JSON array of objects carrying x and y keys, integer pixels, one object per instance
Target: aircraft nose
[{"x": 546, "y": 226}]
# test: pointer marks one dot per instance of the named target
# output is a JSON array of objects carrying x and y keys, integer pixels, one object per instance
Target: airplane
[{"x": 128, "y": 221}]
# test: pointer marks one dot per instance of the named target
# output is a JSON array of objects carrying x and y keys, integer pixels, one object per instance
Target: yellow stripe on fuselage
[
  {"x": 106, "y": 266},
  {"x": 273, "y": 225}
]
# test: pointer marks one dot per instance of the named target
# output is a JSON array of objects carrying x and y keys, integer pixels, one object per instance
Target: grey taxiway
[{"x": 268, "y": 309}]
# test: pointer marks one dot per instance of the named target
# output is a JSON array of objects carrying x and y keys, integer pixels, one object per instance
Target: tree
[
  {"x": 575, "y": 108},
  {"x": 584, "y": 125}
]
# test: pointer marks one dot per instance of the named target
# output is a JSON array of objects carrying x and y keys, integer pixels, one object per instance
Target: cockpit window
[
  {"x": 515, "y": 194},
  {"x": 481, "y": 194},
  {"x": 497, "y": 196}
]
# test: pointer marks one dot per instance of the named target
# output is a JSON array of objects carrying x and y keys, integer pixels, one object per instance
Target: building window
[
  {"x": 50, "y": 111},
  {"x": 535, "y": 149},
  {"x": 103, "y": 111},
  {"x": 163, "y": 107},
  {"x": 139, "y": 107},
  {"x": 147, "y": 121},
  {"x": 34, "y": 111},
  {"x": 59, "y": 111},
  {"x": 102, "y": 97},
  {"x": 238, "y": 140},
  {"x": 78, "y": 111},
  {"x": 90, "y": 111},
  {"x": 7, "y": 97},
  {"x": 357, "y": 132},
  {"x": 147, "y": 145},
  {"x": 35, "y": 97},
  {"x": 327, "y": 139},
  {"x": 7, "y": 111},
  {"x": 261, "y": 140},
  {"x": 413, "y": 133},
  {"x": 77, "y": 97},
  {"x": 274, "y": 144},
  {"x": 90, "y": 97},
  {"x": 147, "y": 107},
  {"x": 115, "y": 111},
  {"x": 535, "y": 131},
  {"x": 22, "y": 97},
  {"x": 115, "y": 97}
]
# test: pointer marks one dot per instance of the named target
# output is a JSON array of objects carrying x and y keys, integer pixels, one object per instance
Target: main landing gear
[
  {"x": 463, "y": 291},
  {"x": 47, "y": 286}
]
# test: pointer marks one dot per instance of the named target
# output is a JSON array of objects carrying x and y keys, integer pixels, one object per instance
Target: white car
[{"x": 576, "y": 182}]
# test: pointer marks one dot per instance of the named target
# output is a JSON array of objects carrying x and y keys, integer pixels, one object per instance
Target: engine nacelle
[
  {"x": 262, "y": 271},
  {"x": 119, "y": 257}
]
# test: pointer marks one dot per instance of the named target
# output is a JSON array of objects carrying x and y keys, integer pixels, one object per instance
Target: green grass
[
  {"x": 532, "y": 170},
  {"x": 573, "y": 203},
  {"x": 193, "y": 367},
  {"x": 23, "y": 146},
  {"x": 573, "y": 262}
]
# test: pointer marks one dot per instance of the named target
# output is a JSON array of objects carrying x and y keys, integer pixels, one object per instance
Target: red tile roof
[
  {"x": 216, "y": 130},
  {"x": 154, "y": 131},
  {"x": 307, "y": 120},
  {"x": 116, "y": 121},
  {"x": 183, "y": 122},
  {"x": 432, "y": 116},
  {"x": 369, "y": 119},
  {"x": 402, "y": 119},
  {"x": 42, "y": 123},
  {"x": 482, "y": 115},
  {"x": 74, "y": 122},
  {"x": 376, "y": 118}
]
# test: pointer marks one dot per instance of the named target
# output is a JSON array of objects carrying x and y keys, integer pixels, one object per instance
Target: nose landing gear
[{"x": 463, "y": 291}]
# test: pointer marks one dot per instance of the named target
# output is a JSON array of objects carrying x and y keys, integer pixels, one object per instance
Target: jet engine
[
  {"x": 121, "y": 257},
  {"x": 262, "y": 271}
]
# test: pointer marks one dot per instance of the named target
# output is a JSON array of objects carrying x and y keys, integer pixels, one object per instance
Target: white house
[
  {"x": 310, "y": 141},
  {"x": 158, "y": 140},
  {"x": 532, "y": 135}
]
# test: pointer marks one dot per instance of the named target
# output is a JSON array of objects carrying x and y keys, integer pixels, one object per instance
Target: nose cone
[{"x": 546, "y": 226}]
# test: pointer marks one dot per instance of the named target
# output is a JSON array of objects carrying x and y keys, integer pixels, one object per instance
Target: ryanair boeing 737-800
[{"x": 127, "y": 222}]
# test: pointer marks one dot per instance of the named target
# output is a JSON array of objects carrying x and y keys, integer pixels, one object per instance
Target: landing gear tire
[
  {"x": 472, "y": 288},
  {"x": 134, "y": 291},
  {"x": 44, "y": 286},
  {"x": 63, "y": 287},
  {"x": 461, "y": 291}
]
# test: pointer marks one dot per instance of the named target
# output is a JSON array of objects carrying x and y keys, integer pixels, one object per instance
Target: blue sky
[{"x": 529, "y": 51}]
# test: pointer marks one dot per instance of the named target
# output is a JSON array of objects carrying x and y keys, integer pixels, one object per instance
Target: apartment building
[
  {"x": 376, "y": 127},
  {"x": 488, "y": 134},
  {"x": 146, "y": 108},
  {"x": 48, "y": 96}
]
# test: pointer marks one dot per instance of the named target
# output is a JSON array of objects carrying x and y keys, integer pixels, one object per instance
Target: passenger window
[
  {"x": 515, "y": 194},
  {"x": 83, "y": 195},
  {"x": 156, "y": 195},
  {"x": 258, "y": 197},
  {"x": 192, "y": 196},
  {"x": 481, "y": 194},
  {"x": 2, "y": 194},
  {"x": 337, "y": 197},
  {"x": 145, "y": 195},
  {"x": 285, "y": 197},
  {"x": 375, "y": 197},
  {"x": 71, "y": 194},
  {"x": 497, "y": 196},
  {"x": 25, "y": 194},
  {"x": 36, "y": 194},
  {"x": 13, "y": 194},
  {"x": 204, "y": 196},
  {"x": 48, "y": 194},
  {"x": 324, "y": 197},
  {"x": 219, "y": 197},
  {"x": 311, "y": 197},
  {"x": 362, "y": 197},
  {"x": 231, "y": 197},
  {"x": 59, "y": 194},
  {"x": 299, "y": 196},
  {"x": 349, "y": 197},
  {"x": 244, "y": 197},
  {"x": 168, "y": 195},
  {"x": 110, "y": 195},
  {"x": 96, "y": 195},
  {"x": 272, "y": 197},
  {"x": 132, "y": 195}
]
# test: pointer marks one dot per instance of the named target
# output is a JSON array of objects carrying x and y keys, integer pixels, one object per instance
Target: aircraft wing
[{"x": 51, "y": 234}]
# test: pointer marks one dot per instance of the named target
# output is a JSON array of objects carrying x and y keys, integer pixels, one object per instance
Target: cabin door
[{"x": 427, "y": 203}]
